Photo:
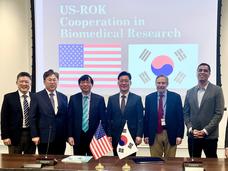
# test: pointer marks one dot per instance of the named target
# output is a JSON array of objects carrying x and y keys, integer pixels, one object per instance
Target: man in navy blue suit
[
  {"x": 163, "y": 120},
  {"x": 15, "y": 128},
  {"x": 49, "y": 117},
  {"x": 124, "y": 106},
  {"x": 85, "y": 110}
]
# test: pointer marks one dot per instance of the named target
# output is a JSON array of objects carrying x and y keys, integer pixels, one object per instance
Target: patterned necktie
[
  {"x": 85, "y": 119},
  {"x": 122, "y": 106},
  {"x": 26, "y": 110},
  {"x": 160, "y": 113},
  {"x": 52, "y": 100}
]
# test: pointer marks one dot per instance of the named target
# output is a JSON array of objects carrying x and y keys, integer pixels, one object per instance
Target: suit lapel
[
  {"x": 59, "y": 100},
  {"x": 155, "y": 101},
  {"x": 47, "y": 100},
  {"x": 168, "y": 101},
  {"x": 129, "y": 100},
  {"x": 206, "y": 95},
  {"x": 79, "y": 100},
  {"x": 18, "y": 103},
  {"x": 91, "y": 104},
  {"x": 195, "y": 98},
  {"x": 117, "y": 99}
]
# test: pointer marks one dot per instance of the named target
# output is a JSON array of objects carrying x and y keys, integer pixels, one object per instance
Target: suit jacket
[
  {"x": 12, "y": 117},
  {"x": 173, "y": 117},
  {"x": 226, "y": 136},
  {"x": 210, "y": 112},
  {"x": 133, "y": 113},
  {"x": 75, "y": 112},
  {"x": 44, "y": 120}
]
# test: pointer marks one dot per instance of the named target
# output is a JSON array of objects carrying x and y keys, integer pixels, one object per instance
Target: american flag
[
  {"x": 101, "y": 61},
  {"x": 100, "y": 144}
]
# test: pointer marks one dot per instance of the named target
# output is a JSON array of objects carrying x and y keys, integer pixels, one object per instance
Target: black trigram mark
[
  {"x": 121, "y": 150},
  {"x": 130, "y": 145},
  {"x": 124, "y": 130},
  {"x": 144, "y": 77},
  {"x": 180, "y": 54},
  {"x": 144, "y": 55},
  {"x": 179, "y": 77}
]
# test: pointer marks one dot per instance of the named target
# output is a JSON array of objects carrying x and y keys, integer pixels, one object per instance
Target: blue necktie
[{"x": 85, "y": 118}]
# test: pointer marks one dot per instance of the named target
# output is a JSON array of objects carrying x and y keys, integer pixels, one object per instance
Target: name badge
[{"x": 163, "y": 122}]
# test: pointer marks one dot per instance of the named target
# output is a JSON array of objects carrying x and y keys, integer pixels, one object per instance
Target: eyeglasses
[
  {"x": 203, "y": 70},
  {"x": 124, "y": 81}
]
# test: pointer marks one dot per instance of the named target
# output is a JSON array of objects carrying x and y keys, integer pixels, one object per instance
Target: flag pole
[
  {"x": 99, "y": 166},
  {"x": 126, "y": 167}
]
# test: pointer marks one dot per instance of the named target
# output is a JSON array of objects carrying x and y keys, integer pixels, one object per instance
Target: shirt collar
[
  {"x": 21, "y": 94},
  {"x": 48, "y": 92},
  {"x": 165, "y": 93},
  {"x": 126, "y": 95},
  {"x": 203, "y": 88},
  {"x": 88, "y": 95}
]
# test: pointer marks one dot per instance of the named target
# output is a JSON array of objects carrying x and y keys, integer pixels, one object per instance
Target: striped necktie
[
  {"x": 85, "y": 118},
  {"x": 26, "y": 110}
]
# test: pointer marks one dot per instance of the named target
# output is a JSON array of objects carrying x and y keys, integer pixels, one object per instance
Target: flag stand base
[
  {"x": 126, "y": 167},
  {"x": 99, "y": 167}
]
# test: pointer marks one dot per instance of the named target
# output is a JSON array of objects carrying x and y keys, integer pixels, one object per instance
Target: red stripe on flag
[
  {"x": 102, "y": 66},
  {"x": 102, "y": 52},
  {"x": 102, "y": 45},
  {"x": 101, "y": 146},
  {"x": 108, "y": 143},
  {"x": 95, "y": 86},
  {"x": 97, "y": 148},
  {"x": 91, "y": 72},
  {"x": 95, "y": 79},
  {"x": 101, "y": 59},
  {"x": 94, "y": 149}
]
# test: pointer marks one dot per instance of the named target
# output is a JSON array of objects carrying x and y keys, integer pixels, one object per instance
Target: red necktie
[{"x": 160, "y": 113}]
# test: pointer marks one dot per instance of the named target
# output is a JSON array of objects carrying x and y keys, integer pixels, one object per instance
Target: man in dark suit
[
  {"x": 86, "y": 110},
  {"x": 163, "y": 121},
  {"x": 203, "y": 110},
  {"x": 226, "y": 141},
  {"x": 15, "y": 125},
  {"x": 49, "y": 117},
  {"x": 124, "y": 106}
]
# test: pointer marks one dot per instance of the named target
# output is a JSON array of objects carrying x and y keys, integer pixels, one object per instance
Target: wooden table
[{"x": 15, "y": 162}]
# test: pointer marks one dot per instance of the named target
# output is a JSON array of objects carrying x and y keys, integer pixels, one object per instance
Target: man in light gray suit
[{"x": 203, "y": 110}]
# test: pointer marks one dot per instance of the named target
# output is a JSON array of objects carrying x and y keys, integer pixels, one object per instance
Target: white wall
[
  {"x": 15, "y": 56},
  {"x": 15, "y": 42}
]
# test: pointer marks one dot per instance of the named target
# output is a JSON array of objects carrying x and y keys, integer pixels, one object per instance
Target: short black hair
[
  {"x": 50, "y": 72},
  {"x": 124, "y": 73},
  {"x": 209, "y": 68},
  {"x": 24, "y": 74},
  {"x": 85, "y": 78}
]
